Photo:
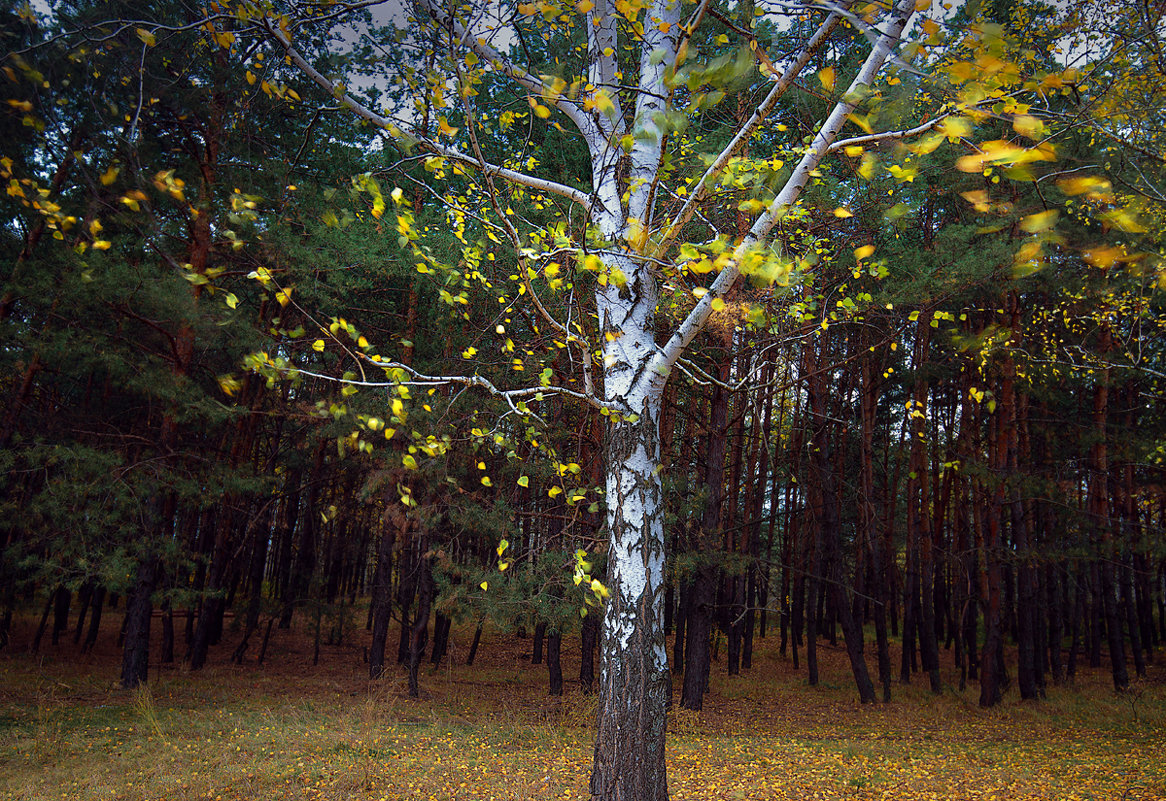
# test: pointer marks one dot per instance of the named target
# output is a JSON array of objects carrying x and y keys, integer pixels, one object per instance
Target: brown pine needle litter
[{"x": 290, "y": 730}]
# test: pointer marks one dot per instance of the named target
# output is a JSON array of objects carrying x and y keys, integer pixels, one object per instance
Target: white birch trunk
[{"x": 634, "y": 678}]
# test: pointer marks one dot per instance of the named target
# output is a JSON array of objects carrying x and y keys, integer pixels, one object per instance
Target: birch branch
[
  {"x": 886, "y": 136},
  {"x": 419, "y": 379},
  {"x": 505, "y": 66},
  {"x": 388, "y": 125},
  {"x": 667, "y": 355},
  {"x": 784, "y": 82}
]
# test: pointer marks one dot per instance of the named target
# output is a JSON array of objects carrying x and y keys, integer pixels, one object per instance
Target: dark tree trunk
[
  {"x": 406, "y": 589},
  {"x": 44, "y": 622},
  {"x": 589, "y": 637},
  {"x": 474, "y": 644},
  {"x": 419, "y": 632},
  {"x": 62, "y": 600},
  {"x": 554, "y": 665},
  {"x": 287, "y": 531},
  {"x": 812, "y": 592},
  {"x": 381, "y": 605},
  {"x": 991, "y": 579},
  {"x": 266, "y": 639},
  {"x": 1096, "y": 615},
  {"x": 167, "y": 655},
  {"x": 1076, "y": 622},
  {"x": 868, "y": 520},
  {"x": 304, "y": 564},
  {"x": 94, "y": 619},
  {"x": 536, "y": 654},
  {"x": 139, "y": 610},
  {"x": 1099, "y": 498},
  {"x": 84, "y": 599},
  {"x": 702, "y": 586},
  {"x": 831, "y": 536},
  {"x": 681, "y": 622},
  {"x": 260, "y": 536},
  {"x": 750, "y": 616},
  {"x": 698, "y": 628},
  {"x": 1056, "y": 620},
  {"x": 441, "y": 625}
]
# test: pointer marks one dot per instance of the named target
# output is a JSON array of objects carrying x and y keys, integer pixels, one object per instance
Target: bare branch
[{"x": 419, "y": 379}]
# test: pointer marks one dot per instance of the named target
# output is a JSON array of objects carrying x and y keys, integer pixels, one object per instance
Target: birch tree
[{"x": 657, "y": 268}]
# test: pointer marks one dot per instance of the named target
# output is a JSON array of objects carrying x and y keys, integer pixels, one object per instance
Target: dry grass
[{"x": 291, "y": 730}]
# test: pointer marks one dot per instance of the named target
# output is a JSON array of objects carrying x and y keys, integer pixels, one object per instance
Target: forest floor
[{"x": 293, "y": 730}]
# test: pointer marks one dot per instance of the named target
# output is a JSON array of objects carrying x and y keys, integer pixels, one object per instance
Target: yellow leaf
[
  {"x": 553, "y": 491},
  {"x": 954, "y": 128},
  {"x": 584, "y": 6},
  {"x": 1103, "y": 256},
  {"x": 604, "y": 103},
  {"x": 828, "y": 77},
  {"x": 484, "y": 585},
  {"x": 867, "y": 168},
  {"x": 1124, "y": 220},
  {"x": 903, "y": 175},
  {"x": 1028, "y": 125},
  {"x": 1041, "y": 221},
  {"x": 445, "y": 128},
  {"x": 318, "y": 346},
  {"x": 842, "y": 213},
  {"x": 864, "y": 251},
  {"x": 110, "y": 176},
  {"x": 284, "y": 296},
  {"x": 145, "y": 36},
  {"x": 861, "y": 122},
  {"x": 523, "y": 481},
  {"x": 978, "y": 198},
  {"x": 1096, "y": 187},
  {"x": 927, "y": 144},
  {"x": 409, "y": 461}
]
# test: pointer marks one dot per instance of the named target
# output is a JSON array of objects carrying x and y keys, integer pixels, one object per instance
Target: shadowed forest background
[{"x": 903, "y": 493}]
